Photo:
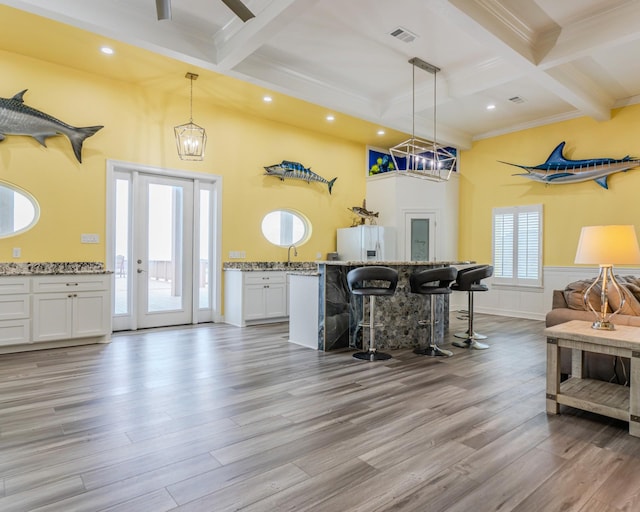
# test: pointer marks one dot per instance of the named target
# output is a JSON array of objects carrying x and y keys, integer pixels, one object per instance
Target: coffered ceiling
[{"x": 536, "y": 61}]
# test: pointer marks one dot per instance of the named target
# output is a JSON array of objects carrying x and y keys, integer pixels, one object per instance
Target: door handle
[{"x": 140, "y": 271}]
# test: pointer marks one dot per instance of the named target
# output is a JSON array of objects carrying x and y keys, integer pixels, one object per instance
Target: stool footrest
[{"x": 372, "y": 356}]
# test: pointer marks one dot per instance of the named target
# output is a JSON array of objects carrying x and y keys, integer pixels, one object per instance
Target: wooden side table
[{"x": 612, "y": 400}]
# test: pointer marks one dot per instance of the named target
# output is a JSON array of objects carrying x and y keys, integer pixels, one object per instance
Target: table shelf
[{"x": 596, "y": 396}]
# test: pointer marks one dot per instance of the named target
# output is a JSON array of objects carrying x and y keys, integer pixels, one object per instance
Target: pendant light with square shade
[{"x": 419, "y": 157}]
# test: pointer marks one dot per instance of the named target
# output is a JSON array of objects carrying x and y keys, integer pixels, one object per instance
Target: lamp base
[{"x": 603, "y": 325}]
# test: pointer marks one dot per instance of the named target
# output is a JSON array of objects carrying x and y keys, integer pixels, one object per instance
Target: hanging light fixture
[
  {"x": 191, "y": 139},
  {"x": 419, "y": 157}
]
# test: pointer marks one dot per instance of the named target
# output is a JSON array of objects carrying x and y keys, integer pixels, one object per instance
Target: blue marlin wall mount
[{"x": 557, "y": 169}]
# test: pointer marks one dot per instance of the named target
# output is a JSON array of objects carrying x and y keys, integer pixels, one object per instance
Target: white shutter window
[{"x": 517, "y": 245}]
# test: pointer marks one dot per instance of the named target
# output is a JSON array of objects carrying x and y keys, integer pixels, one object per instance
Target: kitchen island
[{"x": 338, "y": 313}]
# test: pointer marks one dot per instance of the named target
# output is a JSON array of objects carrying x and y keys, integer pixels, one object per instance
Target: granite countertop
[
  {"x": 52, "y": 268},
  {"x": 261, "y": 266},
  {"x": 307, "y": 273}
]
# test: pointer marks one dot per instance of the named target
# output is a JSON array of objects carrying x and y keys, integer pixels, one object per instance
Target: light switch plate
[
  {"x": 17, "y": 252},
  {"x": 237, "y": 254},
  {"x": 89, "y": 238}
]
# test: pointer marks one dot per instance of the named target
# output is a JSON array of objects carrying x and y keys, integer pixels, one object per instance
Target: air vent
[
  {"x": 517, "y": 99},
  {"x": 403, "y": 34}
]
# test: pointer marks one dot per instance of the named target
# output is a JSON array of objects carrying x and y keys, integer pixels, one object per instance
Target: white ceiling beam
[
  {"x": 490, "y": 22},
  {"x": 235, "y": 43},
  {"x": 609, "y": 29}
]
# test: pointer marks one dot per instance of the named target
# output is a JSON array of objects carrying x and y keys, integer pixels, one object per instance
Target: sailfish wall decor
[{"x": 557, "y": 169}]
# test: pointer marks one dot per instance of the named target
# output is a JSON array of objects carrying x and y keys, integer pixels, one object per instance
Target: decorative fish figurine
[
  {"x": 363, "y": 213},
  {"x": 558, "y": 169},
  {"x": 296, "y": 171},
  {"x": 16, "y": 118}
]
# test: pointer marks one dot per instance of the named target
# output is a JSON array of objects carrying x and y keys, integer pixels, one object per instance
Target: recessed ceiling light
[
  {"x": 380, "y": 132},
  {"x": 106, "y": 50},
  {"x": 491, "y": 106},
  {"x": 331, "y": 117},
  {"x": 267, "y": 99}
]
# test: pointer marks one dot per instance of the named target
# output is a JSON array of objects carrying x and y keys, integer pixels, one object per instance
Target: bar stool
[
  {"x": 464, "y": 315},
  {"x": 432, "y": 282},
  {"x": 469, "y": 281},
  {"x": 357, "y": 280}
]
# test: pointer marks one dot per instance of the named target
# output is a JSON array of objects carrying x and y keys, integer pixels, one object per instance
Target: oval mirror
[
  {"x": 285, "y": 228},
  {"x": 19, "y": 211}
]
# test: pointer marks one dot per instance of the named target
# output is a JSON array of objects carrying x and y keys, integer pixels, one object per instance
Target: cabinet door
[
  {"x": 275, "y": 300},
  {"x": 254, "y": 307},
  {"x": 91, "y": 314},
  {"x": 52, "y": 318}
]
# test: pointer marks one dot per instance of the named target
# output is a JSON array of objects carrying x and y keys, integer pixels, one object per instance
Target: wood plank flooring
[{"x": 218, "y": 418}]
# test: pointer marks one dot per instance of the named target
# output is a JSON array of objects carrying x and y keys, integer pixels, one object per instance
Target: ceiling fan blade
[
  {"x": 163, "y": 8},
  {"x": 241, "y": 10}
]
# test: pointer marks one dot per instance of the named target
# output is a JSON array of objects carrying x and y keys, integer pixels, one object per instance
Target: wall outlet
[
  {"x": 237, "y": 254},
  {"x": 89, "y": 238},
  {"x": 17, "y": 252}
]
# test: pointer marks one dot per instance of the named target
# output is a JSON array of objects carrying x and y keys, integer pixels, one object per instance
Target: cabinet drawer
[
  {"x": 58, "y": 283},
  {"x": 265, "y": 277},
  {"x": 14, "y": 332},
  {"x": 13, "y": 307},
  {"x": 14, "y": 284}
]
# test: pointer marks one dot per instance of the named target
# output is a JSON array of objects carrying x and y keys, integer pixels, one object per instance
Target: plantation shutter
[{"x": 517, "y": 245}]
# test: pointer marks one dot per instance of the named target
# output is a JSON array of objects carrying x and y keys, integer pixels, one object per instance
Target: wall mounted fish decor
[
  {"x": 296, "y": 171},
  {"x": 363, "y": 213},
  {"x": 557, "y": 169},
  {"x": 16, "y": 118}
]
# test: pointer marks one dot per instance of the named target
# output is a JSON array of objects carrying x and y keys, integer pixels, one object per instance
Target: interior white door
[
  {"x": 162, "y": 251},
  {"x": 420, "y": 236}
]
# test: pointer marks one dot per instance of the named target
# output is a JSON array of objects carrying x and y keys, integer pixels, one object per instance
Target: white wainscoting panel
[{"x": 533, "y": 303}]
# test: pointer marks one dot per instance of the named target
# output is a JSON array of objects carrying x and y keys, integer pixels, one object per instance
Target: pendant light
[
  {"x": 419, "y": 157},
  {"x": 191, "y": 139}
]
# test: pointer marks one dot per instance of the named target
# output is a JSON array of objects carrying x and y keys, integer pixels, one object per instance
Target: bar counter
[{"x": 339, "y": 313}]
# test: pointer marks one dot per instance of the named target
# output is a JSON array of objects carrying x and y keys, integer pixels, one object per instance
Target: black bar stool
[
  {"x": 358, "y": 280},
  {"x": 469, "y": 281},
  {"x": 432, "y": 282},
  {"x": 464, "y": 315}
]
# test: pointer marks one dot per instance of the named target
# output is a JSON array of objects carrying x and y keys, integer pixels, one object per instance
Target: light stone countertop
[{"x": 52, "y": 268}]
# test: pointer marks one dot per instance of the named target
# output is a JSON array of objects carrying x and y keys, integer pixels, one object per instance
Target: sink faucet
[{"x": 295, "y": 253}]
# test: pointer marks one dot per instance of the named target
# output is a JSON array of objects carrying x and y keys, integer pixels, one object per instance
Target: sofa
[{"x": 568, "y": 304}]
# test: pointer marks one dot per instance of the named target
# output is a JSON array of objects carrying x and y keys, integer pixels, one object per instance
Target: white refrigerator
[{"x": 366, "y": 243}]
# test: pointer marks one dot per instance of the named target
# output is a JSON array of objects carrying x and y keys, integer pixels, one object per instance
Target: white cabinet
[
  {"x": 253, "y": 297},
  {"x": 70, "y": 307},
  {"x": 46, "y": 311},
  {"x": 15, "y": 310}
]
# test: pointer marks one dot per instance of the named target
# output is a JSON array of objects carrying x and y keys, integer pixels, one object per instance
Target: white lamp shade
[{"x": 608, "y": 245}]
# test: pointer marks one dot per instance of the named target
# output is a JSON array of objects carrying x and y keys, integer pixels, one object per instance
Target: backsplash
[{"x": 67, "y": 267}]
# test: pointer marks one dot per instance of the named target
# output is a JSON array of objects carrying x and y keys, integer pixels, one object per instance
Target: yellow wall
[
  {"x": 486, "y": 183},
  {"x": 138, "y": 127}
]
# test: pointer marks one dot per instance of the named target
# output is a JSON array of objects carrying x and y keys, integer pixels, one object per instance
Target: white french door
[
  {"x": 162, "y": 249},
  {"x": 163, "y": 245}
]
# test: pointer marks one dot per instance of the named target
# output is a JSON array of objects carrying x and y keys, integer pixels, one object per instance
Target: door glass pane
[
  {"x": 165, "y": 248},
  {"x": 203, "y": 288},
  {"x": 419, "y": 239},
  {"x": 122, "y": 248}
]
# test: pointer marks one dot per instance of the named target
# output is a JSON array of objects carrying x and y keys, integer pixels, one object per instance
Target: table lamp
[{"x": 606, "y": 246}]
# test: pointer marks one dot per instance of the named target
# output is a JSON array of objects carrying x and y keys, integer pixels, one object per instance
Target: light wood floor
[{"x": 219, "y": 418}]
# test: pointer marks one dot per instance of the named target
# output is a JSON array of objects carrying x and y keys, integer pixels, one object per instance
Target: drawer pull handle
[{"x": 72, "y": 284}]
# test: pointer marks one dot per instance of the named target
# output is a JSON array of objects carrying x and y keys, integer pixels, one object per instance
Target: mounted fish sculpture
[
  {"x": 558, "y": 169},
  {"x": 16, "y": 118},
  {"x": 363, "y": 213},
  {"x": 296, "y": 171}
]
